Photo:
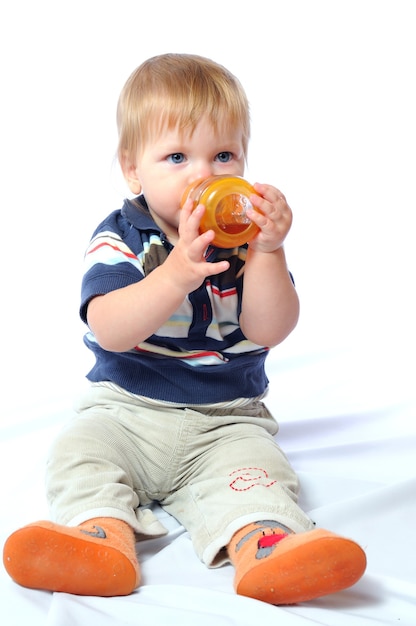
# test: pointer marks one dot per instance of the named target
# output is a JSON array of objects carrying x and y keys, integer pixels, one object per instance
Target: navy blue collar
[{"x": 137, "y": 213}]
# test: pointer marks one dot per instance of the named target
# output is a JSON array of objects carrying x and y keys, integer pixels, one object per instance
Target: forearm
[
  {"x": 122, "y": 319},
  {"x": 270, "y": 305}
]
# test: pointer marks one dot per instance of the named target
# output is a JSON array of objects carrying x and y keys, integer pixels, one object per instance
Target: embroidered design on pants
[{"x": 247, "y": 478}]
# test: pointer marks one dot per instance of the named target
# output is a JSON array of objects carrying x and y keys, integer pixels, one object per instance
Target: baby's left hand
[{"x": 274, "y": 219}]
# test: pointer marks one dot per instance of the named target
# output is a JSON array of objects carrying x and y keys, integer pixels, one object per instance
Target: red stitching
[{"x": 245, "y": 476}]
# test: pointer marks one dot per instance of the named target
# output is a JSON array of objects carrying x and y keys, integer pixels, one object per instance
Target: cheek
[
  {"x": 162, "y": 198},
  {"x": 168, "y": 191}
]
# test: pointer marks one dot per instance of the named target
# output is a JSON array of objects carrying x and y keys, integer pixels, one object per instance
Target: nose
[{"x": 201, "y": 171}]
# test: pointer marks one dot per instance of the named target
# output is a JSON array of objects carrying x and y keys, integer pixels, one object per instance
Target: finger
[
  {"x": 258, "y": 217},
  {"x": 194, "y": 217},
  {"x": 270, "y": 193},
  {"x": 197, "y": 247},
  {"x": 184, "y": 215},
  {"x": 216, "y": 268},
  {"x": 205, "y": 239},
  {"x": 190, "y": 219}
]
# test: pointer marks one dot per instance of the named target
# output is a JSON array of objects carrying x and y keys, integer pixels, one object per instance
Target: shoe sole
[
  {"x": 39, "y": 557},
  {"x": 303, "y": 568}
]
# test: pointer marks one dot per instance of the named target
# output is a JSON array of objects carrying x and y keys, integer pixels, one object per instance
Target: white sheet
[
  {"x": 359, "y": 479},
  {"x": 333, "y": 102}
]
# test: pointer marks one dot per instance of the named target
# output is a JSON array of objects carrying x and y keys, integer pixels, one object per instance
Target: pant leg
[
  {"x": 239, "y": 475},
  {"x": 104, "y": 463}
]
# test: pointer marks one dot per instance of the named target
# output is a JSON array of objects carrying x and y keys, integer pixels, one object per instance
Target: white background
[{"x": 332, "y": 92}]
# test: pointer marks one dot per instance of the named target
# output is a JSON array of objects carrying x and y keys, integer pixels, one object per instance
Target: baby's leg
[
  {"x": 92, "y": 492},
  {"x": 241, "y": 504}
]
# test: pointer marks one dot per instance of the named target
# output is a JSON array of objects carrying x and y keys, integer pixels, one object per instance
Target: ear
[{"x": 130, "y": 174}]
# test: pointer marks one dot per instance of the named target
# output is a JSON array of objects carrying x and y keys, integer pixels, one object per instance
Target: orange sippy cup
[{"x": 226, "y": 200}]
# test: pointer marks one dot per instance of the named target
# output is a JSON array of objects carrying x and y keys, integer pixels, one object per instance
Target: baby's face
[{"x": 174, "y": 159}]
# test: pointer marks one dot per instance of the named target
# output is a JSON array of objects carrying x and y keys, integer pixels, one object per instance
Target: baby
[{"x": 180, "y": 330}]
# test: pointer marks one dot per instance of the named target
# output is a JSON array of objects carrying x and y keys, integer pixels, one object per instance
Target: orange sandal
[
  {"x": 97, "y": 558},
  {"x": 282, "y": 568}
]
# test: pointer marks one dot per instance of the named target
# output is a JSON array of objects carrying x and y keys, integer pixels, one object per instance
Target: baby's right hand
[{"x": 188, "y": 255}]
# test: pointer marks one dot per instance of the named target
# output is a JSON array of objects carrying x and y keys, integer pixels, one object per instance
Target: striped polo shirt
[{"x": 200, "y": 354}]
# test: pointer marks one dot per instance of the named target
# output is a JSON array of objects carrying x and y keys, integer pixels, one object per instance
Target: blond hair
[{"x": 177, "y": 90}]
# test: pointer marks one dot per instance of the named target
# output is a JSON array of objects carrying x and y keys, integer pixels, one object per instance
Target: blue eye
[
  {"x": 177, "y": 157},
  {"x": 224, "y": 157}
]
